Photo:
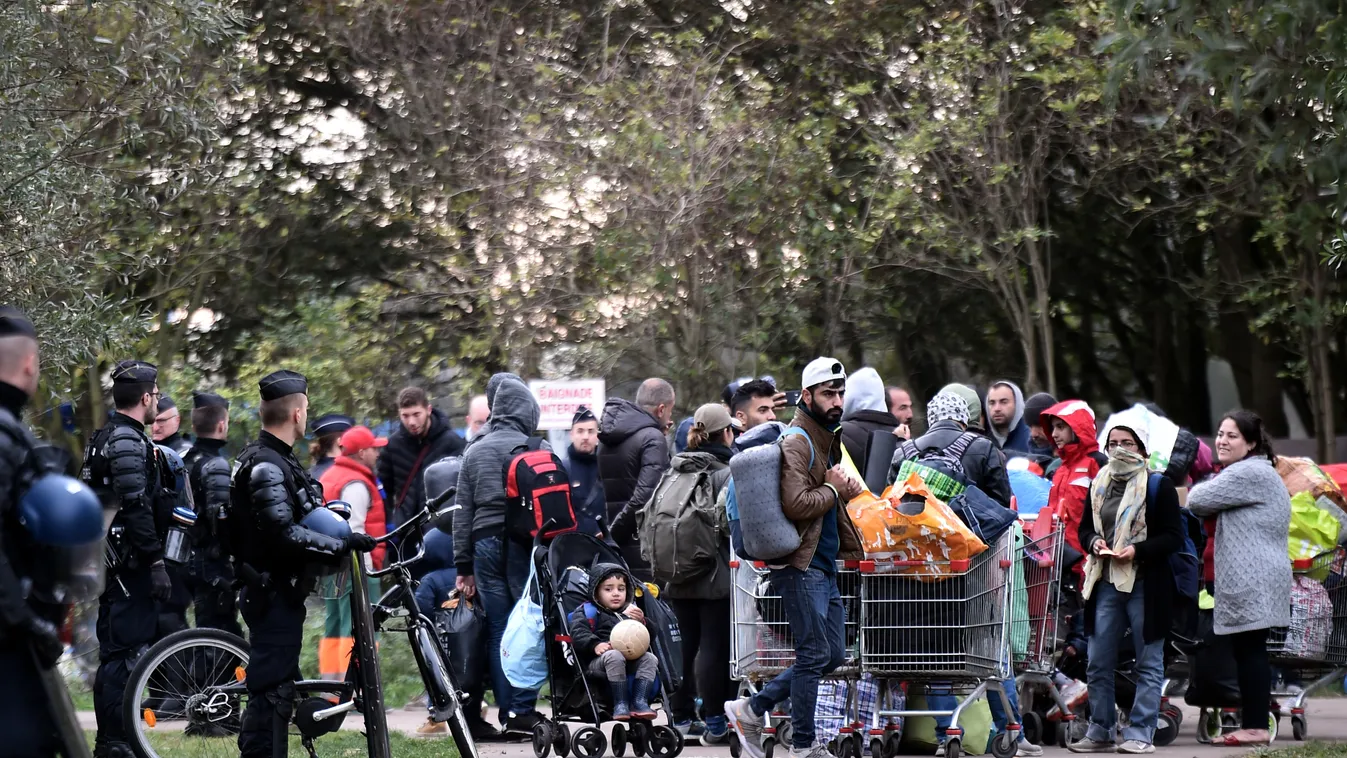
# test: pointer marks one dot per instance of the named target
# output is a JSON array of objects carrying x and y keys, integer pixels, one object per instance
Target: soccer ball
[{"x": 630, "y": 638}]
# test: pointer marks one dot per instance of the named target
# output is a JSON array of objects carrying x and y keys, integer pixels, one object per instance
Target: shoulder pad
[
  {"x": 266, "y": 474},
  {"x": 215, "y": 466},
  {"x": 125, "y": 441}
]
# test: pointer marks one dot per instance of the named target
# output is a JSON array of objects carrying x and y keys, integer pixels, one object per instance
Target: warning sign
[{"x": 559, "y": 400}]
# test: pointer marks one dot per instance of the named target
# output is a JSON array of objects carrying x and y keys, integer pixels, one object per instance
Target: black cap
[
  {"x": 208, "y": 400},
  {"x": 332, "y": 423},
  {"x": 14, "y": 324},
  {"x": 582, "y": 414},
  {"x": 166, "y": 403},
  {"x": 279, "y": 384},
  {"x": 134, "y": 372}
]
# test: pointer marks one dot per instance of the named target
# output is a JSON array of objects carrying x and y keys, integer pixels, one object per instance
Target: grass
[
  {"x": 1308, "y": 750},
  {"x": 339, "y": 745}
]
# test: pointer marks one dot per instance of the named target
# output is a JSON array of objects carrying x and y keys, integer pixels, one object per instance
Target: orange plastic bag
[
  {"x": 934, "y": 536},
  {"x": 1304, "y": 475}
]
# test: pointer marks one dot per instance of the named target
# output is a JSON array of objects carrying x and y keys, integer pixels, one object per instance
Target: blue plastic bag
[
  {"x": 1031, "y": 491},
  {"x": 523, "y": 649}
]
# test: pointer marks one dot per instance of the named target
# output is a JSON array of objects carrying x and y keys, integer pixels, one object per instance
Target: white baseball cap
[{"x": 822, "y": 371}]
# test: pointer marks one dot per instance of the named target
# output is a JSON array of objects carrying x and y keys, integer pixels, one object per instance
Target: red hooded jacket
[
  {"x": 344, "y": 471},
  {"x": 1069, "y": 497}
]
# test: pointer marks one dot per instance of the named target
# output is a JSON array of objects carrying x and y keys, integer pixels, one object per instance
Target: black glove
[
  {"x": 360, "y": 543},
  {"x": 46, "y": 641},
  {"x": 162, "y": 586}
]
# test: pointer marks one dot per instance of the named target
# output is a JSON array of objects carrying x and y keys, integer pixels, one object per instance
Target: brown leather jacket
[{"x": 804, "y": 497}]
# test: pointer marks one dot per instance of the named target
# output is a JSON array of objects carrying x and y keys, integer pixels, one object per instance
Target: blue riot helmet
[
  {"x": 333, "y": 524},
  {"x": 68, "y": 524},
  {"x": 339, "y": 507},
  {"x": 174, "y": 474}
]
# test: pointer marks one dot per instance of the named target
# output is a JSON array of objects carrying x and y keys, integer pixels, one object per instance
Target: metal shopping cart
[
  {"x": 941, "y": 624},
  {"x": 1034, "y": 638},
  {"x": 761, "y": 645}
]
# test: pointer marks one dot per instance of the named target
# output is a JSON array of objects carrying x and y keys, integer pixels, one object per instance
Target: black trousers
[
  {"x": 25, "y": 718},
  {"x": 213, "y": 595},
  {"x": 275, "y": 634},
  {"x": 126, "y": 626},
  {"x": 1255, "y": 677},
  {"x": 705, "y": 626}
]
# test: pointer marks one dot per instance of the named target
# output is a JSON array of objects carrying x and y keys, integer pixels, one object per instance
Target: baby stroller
[{"x": 563, "y": 580}]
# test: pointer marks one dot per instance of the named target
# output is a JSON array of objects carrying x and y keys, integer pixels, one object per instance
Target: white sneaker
[
  {"x": 748, "y": 725},
  {"x": 1136, "y": 747},
  {"x": 817, "y": 751},
  {"x": 1027, "y": 749}
]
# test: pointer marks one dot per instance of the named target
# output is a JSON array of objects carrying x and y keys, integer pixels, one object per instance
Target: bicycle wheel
[
  {"x": 446, "y": 698},
  {"x": 365, "y": 663},
  {"x": 186, "y": 695}
]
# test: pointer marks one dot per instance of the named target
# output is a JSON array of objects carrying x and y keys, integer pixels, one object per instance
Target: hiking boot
[
  {"x": 621, "y": 711},
  {"x": 523, "y": 723},
  {"x": 640, "y": 706},
  {"x": 1088, "y": 745},
  {"x": 432, "y": 728},
  {"x": 747, "y": 724},
  {"x": 481, "y": 731}
]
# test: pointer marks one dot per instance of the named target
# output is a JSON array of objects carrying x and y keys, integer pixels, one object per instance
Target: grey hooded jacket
[{"x": 481, "y": 483}]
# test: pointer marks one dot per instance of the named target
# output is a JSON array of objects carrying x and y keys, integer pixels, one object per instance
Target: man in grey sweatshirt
[{"x": 488, "y": 561}]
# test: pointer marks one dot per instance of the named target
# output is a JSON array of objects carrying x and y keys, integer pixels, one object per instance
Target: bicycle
[{"x": 187, "y": 693}]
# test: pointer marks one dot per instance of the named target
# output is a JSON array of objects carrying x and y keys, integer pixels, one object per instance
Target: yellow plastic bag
[
  {"x": 1313, "y": 531},
  {"x": 935, "y": 536}
]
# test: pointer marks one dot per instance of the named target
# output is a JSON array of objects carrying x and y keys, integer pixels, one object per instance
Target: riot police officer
[
  {"x": 271, "y": 495},
  {"x": 212, "y": 575},
  {"x": 26, "y": 628},
  {"x": 121, "y": 465}
]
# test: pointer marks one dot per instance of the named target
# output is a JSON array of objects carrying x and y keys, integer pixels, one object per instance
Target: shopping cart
[
  {"x": 761, "y": 647},
  {"x": 942, "y": 625},
  {"x": 1314, "y": 647}
]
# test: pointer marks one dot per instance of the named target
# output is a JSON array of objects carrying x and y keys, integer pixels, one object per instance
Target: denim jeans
[
  {"x": 944, "y": 701},
  {"x": 501, "y": 570},
  {"x": 817, "y": 623},
  {"x": 1114, "y": 613}
]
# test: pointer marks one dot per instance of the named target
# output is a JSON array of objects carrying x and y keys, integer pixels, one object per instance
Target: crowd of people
[{"x": 1122, "y": 521}]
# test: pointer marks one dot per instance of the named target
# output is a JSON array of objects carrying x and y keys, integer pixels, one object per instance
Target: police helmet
[
  {"x": 441, "y": 477},
  {"x": 62, "y": 512},
  {"x": 339, "y": 507},
  {"x": 327, "y": 522},
  {"x": 178, "y": 471}
]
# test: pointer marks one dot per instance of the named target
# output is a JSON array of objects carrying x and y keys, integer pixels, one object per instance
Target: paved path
[{"x": 1327, "y": 722}]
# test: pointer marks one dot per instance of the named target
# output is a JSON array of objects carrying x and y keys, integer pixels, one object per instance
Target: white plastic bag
[{"x": 523, "y": 649}]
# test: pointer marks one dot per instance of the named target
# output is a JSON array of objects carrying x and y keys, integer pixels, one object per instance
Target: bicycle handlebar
[{"x": 390, "y": 568}]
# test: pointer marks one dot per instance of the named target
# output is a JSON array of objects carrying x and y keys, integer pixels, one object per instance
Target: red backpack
[{"x": 537, "y": 494}]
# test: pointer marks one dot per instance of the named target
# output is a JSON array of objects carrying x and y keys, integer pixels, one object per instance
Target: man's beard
[
  {"x": 832, "y": 416},
  {"x": 151, "y": 414}
]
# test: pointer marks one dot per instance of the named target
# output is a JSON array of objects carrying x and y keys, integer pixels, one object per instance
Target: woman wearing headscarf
[{"x": 1130, "y": 530}]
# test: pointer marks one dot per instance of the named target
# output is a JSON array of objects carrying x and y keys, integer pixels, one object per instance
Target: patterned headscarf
[{"x": 947, "y": 406}]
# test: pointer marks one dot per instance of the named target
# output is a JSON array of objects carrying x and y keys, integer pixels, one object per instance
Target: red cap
[{"x": 359, "y": 438}]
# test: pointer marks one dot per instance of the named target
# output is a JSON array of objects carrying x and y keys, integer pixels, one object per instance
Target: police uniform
[
  {"x": 212, "y": 575},
  {"x": 26, "y": 723},
  {"x": 121, "y": 465},
  {"x": 332, "y": 423},
  {"x": 271, "y": 494}
]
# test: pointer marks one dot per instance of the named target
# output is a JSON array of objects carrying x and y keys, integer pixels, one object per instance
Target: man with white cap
[{"x": 814, "y": 493}]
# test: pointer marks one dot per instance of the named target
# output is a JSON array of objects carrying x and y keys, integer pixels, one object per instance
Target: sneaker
[
  {"x": 431, "y": 728},
  {"x": 523, "y": 723},
  {"x": 748, "y": 725},
  {"x": 716, "y": 733},
  {"x": 940, "y": 750},
  {"x": 1027, "y": 749},
  {"x": 1136, "y": 747},
  {"x": 1088, "y": 745},
  {"x": 816, "y": 751},
  {"x": 481, "y": 731}
]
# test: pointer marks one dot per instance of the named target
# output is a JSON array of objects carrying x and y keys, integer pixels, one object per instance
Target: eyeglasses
[{"x": 1129, "y": 444}]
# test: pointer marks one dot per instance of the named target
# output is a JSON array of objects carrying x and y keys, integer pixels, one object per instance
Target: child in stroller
[
  {"x": 592, "y": 624},
  {"x": 578, "y": 694}
]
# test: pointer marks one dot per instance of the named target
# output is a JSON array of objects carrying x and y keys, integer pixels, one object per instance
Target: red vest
[{"x": 344, "y": 471}]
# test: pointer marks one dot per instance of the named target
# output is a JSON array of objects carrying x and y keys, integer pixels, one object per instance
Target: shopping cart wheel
[
  {"x": 1166, "y": 730},
  {"x": 844, "y": 746},
  {"x": 561, "y": 743},
  {"x": 735, "y": 748},
  {"x": 768, "y": 746},
  {"x": 1299, "y": 729},
  {"x": 877, "y": 748},
  {"x": 1063, "y": 734},
  {"x": 892, "y": 741},
  {"x": 1208, "y": 726},
  {"x": 1004, "y": 745},
  {"x": 953, "y": 748},
  {"x": 1033, "y": 727},
  {"x": 589, "y": 742},
  {"x": 619, "y": 741},
  {"x": 784, "y": 733},
  {"x": 543, "y": 736}
]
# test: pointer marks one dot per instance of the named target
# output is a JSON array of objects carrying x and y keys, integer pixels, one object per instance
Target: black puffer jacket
[
  {"x": 983, "y": 464},
  {"x": 397, "y": 460},
  {"x": 633, "y": 457},
  {"x": 587, "y": 634},
  {"x": 856, "y": 430}
]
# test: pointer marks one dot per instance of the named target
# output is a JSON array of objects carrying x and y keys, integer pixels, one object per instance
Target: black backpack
[
  {"x": 947, "y": 460},
  {"x": 537, "y": 494}
]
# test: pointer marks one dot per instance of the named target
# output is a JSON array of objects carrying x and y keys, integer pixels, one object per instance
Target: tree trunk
[{"x": 1321, "y": 375}]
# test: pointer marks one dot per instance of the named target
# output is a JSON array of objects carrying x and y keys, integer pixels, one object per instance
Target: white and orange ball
[{"x": 630, "y": 638}]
